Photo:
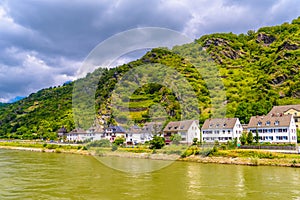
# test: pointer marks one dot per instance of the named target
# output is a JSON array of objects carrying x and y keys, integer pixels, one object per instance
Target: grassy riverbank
[
  {"x": 43, "y": 147},
  {"x": 172, "y": 152}
]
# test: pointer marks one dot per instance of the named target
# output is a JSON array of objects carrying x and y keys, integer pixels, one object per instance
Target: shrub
[
  {"x": 99, "y": 143},
  {"x": 157, "y": 142},
  {"x": 119, "y": 141},
  {"x": 114, "y": 147},
  {"x": 250, "y": 138}
]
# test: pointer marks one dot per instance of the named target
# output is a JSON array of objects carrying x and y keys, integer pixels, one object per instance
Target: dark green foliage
[
  {"x": 250, "y": 138},
  {"x": 119, "y": 141},
  {"x": 243, "y": 138},
  {"x": 157, "y": 142},
  {"x": 195, "y": 141}
]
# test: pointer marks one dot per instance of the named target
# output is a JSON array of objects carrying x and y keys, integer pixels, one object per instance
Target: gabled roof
[
  {"x": 219, "y": 123},
  {"x": 117, "y": 129},
  {"x": 270, "y": 121},
  {"x": 77, "y": 131},
  {"x": 179, "y": 125},
  {"x": 149, "y": 127},
  {"x": 282, "y": 109}
]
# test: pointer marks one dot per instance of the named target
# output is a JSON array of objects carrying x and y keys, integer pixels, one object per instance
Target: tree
[
  {"x": 157, "y": 142},
  {"x": 195, "y": 140},
  {"x": 119, "y": 140},
  {"x": 243, "y": 138},
  {"x": 250, "y": 138},
  {"x": 175, "y": 138},
  {"x": 298, "y": 136},
  {"x": 256, "y": 137}
]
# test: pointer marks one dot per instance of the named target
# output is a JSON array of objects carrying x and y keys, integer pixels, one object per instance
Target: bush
[
  {"x": 157, "y": 142},
  {"x": 119, "y": 141},
  {"x": 250, "y": 138},
  {"x": 243, "y": 138},
  {"x": 99, "y": 143},
  {"x": 114, "y": 147}
]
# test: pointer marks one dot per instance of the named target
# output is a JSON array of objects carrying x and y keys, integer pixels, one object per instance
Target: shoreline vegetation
[{"x": 250, "y": 157}]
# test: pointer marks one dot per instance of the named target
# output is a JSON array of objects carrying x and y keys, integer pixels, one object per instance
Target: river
[{"x": 37, "y": 175}]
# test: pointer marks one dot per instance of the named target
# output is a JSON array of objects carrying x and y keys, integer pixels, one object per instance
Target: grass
[{"x": 31, "y": 144}]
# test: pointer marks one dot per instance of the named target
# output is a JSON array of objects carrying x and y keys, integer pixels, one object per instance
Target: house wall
[
  {"x": 275, "y": 134},
  {"x": 296, "y": 115},
  {"x": 222, "y": 134},
  {"x": 192, "y": 132}
]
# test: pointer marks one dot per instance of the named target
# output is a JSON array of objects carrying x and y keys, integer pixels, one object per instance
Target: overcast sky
[{"x": 44, "y": 42}]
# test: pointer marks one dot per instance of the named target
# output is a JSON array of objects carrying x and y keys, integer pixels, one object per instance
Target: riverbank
[{"x": 234, "y": 157}]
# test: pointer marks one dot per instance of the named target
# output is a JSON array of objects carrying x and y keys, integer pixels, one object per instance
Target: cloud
[{"x": 43, "y": 43}]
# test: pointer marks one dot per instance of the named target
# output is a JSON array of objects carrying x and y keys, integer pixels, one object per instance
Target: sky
[{"x": 43, "y": 43}]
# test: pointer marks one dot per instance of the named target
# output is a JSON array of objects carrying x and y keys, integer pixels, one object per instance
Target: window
[
  {"x": 224, "y": 124},
  {"x": 276, "y": 123},
  {"x": 259, "y": 123},
  {"x": 210, "y": 125},
  {"x": 268, "y": 123}
]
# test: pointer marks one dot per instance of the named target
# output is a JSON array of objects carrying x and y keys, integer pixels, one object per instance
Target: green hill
[{"x": 219, "y": 74}]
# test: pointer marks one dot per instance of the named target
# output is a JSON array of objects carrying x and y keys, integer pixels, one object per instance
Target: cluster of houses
[{"x": 278, "y": 126}]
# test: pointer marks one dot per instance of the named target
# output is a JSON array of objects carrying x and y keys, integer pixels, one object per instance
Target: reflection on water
[
  {"x": 133, "y": 165},
  {"x": 32, "y": 175}
]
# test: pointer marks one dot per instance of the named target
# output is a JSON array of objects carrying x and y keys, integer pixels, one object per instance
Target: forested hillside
[{"x": 233, "y": 75}]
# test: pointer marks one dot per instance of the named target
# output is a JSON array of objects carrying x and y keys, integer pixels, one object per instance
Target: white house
[
  {"x": 112, "y": 132},
  {"x": 274, "y": 128},
  {"x": 77, "y": 135},
  {"x": 188, "y": 130},
  {"x": 135, "y": 135},
  {"x": 221, "y": 129}
]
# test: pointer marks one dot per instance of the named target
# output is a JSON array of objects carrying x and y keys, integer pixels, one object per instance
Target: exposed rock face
[
  {"x": 227, "y": 51},
  {"x": 215, "y": 42},
  {"x": 279, "y": 80},
  {"x": 266, "y": 39},
  {"x": 288, "y": 46}
]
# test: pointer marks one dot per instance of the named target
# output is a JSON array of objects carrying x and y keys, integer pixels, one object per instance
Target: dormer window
[
  {"x": 268, "y": 123},
  {"x": 217, "y": 125},
  {"x": 224, "y": 124},
  {"x": 210, "y": 126},
  {"x": 259, "y": 123},
  {"x": 276, "y": 123},
  {"x": 175, "y": 127}
]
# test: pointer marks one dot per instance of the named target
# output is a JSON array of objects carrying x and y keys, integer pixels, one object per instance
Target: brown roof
[
  {"x": 77, "y": 131},
  {"x": 283, "y": 121},
  {"x": 150, "y": 126},
  {"x": 219, "y": 123},
  {"x": 281, "y": 109},
  {"x": 180, "y": 125}
]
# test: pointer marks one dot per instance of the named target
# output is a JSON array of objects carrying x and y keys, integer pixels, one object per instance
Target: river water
[{"x": 37, "y": 175}]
